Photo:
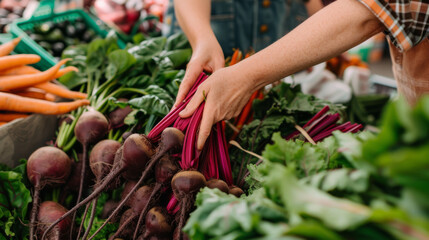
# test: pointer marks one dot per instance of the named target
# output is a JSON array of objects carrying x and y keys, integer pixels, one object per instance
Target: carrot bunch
[{"x": 25, "y": 90}]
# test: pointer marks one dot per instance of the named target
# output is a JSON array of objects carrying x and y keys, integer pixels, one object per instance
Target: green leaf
[
  {"x": 151, "y": 104},
  {"x": 73, "y": 79},
  {"x": 119, "y": 62},
  {"x": 96, "y": 54},
  {"x": 14, "y": 201},
  {"x": 16, "y": 193},
  {"x": 148, "y": 48},
  {"x": 141, "y": 81},
  {"x": 177, "y": 41},
  {"x": 307, "y": 159},
  {"x": 303, "y": 200},
  {"x": 313, "y": 230}
]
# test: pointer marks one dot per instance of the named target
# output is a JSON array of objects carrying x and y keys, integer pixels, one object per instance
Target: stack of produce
[{"x": 25, "y": 90}]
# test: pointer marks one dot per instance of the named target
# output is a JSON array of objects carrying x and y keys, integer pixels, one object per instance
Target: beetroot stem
[
  {"x": 112, "y": 175},
  {"x": 82, "y": 179},
  {"x": 139, "y": 182},
  {"x": 34, "y": 210},
  {"x": 83, "y": 220},
  {"x": 91, "y": 220}
]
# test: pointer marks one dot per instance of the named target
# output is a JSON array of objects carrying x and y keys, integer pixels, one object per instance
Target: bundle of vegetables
[
  {"x": 322, "y": 125},
  {"x": 170, "y": 146},
  {"x": 135, "y": 87},
  {"x": 24, "y": 89},
  {"x": 348, "y": 186},
  {"x": 281, "y": 109}
]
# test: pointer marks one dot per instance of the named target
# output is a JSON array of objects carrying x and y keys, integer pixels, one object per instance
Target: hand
[
  {"x": 225, "y": 92},
  {"x": 207, "y": 56}
]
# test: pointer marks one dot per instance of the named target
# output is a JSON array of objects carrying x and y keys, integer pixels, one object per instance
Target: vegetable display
[
  {"x": 126, "y": 166},
  {"x": 349, "y": 186}
]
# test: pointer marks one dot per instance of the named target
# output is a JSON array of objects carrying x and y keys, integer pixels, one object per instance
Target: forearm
[
  {"x": 331, "y": 31},
  {"x": 194, "y": 19}
]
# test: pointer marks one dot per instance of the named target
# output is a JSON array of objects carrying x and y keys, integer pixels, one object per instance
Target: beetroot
[
  {"x": 157, "y": 224},
  {"x": 129, "y": 160},
  {"x": 100, "y": 162},
  {"x": 185, "y": 185},
  {"x": 49, "y": 212},
  {"x": 164, "y": 172},
  {"x": 219, "y": 184},
  {"x": 236, "y": 191},
  {"x": 140, "y": 200},
  {"x": 91, "y": 127},
  {"x": 47, "y": 166}
]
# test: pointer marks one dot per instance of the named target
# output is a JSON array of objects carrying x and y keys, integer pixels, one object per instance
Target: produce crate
[{"x": 45, "y": 13}]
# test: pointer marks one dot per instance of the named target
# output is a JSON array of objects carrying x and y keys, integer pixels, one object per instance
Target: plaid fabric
[{"x": 406, "y": 21}]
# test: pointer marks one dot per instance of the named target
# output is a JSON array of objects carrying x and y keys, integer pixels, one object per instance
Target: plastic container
[{"x": 45, "y": 13}]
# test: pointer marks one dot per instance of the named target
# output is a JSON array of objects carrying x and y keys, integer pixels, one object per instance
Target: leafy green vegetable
[
  {"x": 14, "y": 201},
  {"x": 350, "y": 186}
]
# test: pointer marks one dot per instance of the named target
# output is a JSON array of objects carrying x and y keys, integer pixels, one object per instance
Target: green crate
[{"x": 45, "y": 13}]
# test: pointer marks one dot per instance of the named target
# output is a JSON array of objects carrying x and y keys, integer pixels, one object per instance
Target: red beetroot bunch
[{"x": 168, "y": 154}]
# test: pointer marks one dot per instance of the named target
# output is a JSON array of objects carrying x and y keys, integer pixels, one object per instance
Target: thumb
[{"x": 191, "y": 75}]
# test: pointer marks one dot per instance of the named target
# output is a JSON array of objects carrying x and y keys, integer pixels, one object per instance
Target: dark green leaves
[
  {"x": 14, "y": 200},
  {"x": 119, "y": 62}
]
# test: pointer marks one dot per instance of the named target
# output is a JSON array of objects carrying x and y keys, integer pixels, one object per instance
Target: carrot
[
  {"x": 8, "y": 47},
  {"x": 245, "y": 114},
  {"x": 65, "y": 70},
  {"x": 3, "y": 123},
  {"x": 12, "y": 102},
  {"x": 236, "y": 57},
  {"x": 11, "y": 61},
  {"x": 9, "y": 116},
  {"x": 32, "y": 92},
  {"x": 21, "y": 81},
  {"x": 19, "y": 70},
  {"x": 60, "y": 90}
]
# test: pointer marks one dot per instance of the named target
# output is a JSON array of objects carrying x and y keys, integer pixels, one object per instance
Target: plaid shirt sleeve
[{"x": 406, "y": 21}]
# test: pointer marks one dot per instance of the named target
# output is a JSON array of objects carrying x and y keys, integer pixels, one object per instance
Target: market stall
[{"x": 92, "y": 148}]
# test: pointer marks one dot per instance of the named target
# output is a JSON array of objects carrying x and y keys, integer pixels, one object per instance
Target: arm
[
  {"x": 331, "y": 31},
  {"x": 194, "y": 19}
]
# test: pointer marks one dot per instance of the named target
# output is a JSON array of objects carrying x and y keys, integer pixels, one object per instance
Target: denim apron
[{"x": 247, "y": 24}]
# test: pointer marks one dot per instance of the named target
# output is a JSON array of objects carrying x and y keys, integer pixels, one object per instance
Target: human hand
[
  {"x": 207, "y": 56},
  {"x": 225, "y": 93}
]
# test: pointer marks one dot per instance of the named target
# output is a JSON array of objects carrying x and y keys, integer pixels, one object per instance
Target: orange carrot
[
  {"x": 32, "y": 92},
  {"x": 60, "y": 90},
  {"x": 12, "y": 102},
  {"x": 19, "y": 70},
  {"x": 8, "y": 47},
  {"x": 12, "y": 61},
  {"x": 21, "y": 81},
  {"x": 65, "y": 70},
  {"x": 9, "y": 116},
  {"x": 236, "y": 57},
  {"x": 3, "y": 123},
  {"x": 245, "y": 114}
]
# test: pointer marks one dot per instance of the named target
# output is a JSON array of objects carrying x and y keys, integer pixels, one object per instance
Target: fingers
[
  {"x": 189, "y": 79},
  {"x": 196, "y": 100},
  {"x": 206, "y": 124}
]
